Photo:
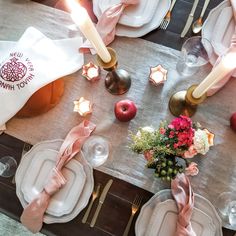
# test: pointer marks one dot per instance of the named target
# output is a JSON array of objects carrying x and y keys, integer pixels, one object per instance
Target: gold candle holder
[
  {"x": 183, "y": 102},
  {"x": 117, "y": 81}
]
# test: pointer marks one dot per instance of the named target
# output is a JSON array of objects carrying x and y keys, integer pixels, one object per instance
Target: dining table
[{"x": 131, "y": 177}]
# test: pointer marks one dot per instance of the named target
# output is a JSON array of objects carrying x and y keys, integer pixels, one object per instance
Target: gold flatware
[
  {"x": 197, "y": 25},
  {"x": 95, "y": 195},
  {"x": 165, "y": 22},
  {"x": 135, "y": 206},
  {"x": 190, "y": 19},
  {"x": 101, "y": 201}
]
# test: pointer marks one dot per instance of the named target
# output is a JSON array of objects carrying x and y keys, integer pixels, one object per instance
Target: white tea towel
[{"x": 30, "y": 64}]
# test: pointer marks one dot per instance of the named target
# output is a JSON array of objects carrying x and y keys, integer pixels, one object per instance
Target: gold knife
[
  {"x": 190, "y": 19},
  {"x": 101, "y": 200}
]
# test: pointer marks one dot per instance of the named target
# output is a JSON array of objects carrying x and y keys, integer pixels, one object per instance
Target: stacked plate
[
  {"x": 159, "y": 215},
  {"x": 219, "y": 28},
  {"x": 136, "y": 20},
  {"x": 34, "y": 171}
]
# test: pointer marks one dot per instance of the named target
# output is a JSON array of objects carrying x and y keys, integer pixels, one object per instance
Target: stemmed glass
[
  {"x": 226, "y": 205},
  {"x": 96, "y": 150},
  {"x": 8, "y": 166}
]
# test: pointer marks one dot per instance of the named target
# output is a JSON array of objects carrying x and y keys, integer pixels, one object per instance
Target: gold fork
[
  {"x": 165, "y": 22},
  {"x": 94, "y": 196},
  {"x": 135, "y": 206}
]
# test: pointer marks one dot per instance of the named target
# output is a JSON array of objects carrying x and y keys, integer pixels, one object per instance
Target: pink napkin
[
  {"x": 32, "y": 216},
  {"x": 183, "y": 195},
  {"x": 232, "y": 48},
  {"x": 106, "y": 25}
]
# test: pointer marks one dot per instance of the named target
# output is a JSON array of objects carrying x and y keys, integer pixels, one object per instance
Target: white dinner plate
[
  {"x": 200, "y": 203},
  {"x": 164, "y": 218},
  {"x": 38, "y": 173},
  {"x": 85, "y": 195},
  {"x": 135, "y": 32},
  {"x": 218, "y": 28},
  {"x": 133, "y": 15}
]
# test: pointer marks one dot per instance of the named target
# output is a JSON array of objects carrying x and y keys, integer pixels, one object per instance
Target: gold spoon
[{"x": 197, "y": 25}]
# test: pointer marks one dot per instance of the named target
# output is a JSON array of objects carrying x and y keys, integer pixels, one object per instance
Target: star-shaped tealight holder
[
  {"x": 83, "y": 106},
  {"x": 158, "y": 75},
  {"x": 91, "y": 72}
]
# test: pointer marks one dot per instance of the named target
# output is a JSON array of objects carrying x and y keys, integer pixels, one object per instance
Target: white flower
[
  {"x": 146, "y": 129},
  {"x": 200, "y": 141}
]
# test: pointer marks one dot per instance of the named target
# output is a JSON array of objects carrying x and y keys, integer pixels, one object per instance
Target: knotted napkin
[
  {"x": 32, "y": 216},
  {"x": 30, "y": 64},
  {"x": 106, "y": 25},
  {"x": 231, "y": 49},
  {"x": 183, "y": 195}
]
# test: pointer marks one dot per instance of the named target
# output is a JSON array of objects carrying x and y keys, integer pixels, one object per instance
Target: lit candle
[
  {"x": 83, "y": 106},
  {"x": 226, "y": 65},
  {"x": 83, "y": 21},
  {"x": 91, "y": 72},
  {"x": 158, "y": 75}
]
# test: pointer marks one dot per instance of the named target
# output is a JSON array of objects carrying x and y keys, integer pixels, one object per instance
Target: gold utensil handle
[
  {"x": 87, "y": 212},
  {"x": 126, "y": 232},
  {"x": 96, "y": 215}
]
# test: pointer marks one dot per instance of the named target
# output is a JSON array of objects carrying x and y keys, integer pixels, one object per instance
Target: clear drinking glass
[
  {"x": 96, "y": 150},
  {"x": 8, "y": 166},
  {"x": 195, "y": 53},
  {"x": 226, "y": 205}
]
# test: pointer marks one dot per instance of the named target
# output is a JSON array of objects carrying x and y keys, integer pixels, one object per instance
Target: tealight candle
[
  {"x": 91, "y": 72},
  {"x": 157, "y": 75},
  {"x": 83, "y": 21},
  {"x": 83, "y": 106},
  {"x": 226, "y": 65}
]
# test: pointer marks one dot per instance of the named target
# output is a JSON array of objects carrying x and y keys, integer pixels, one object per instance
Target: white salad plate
[
  {"x": 164, "y": 218},
  {"x": 84, "y": 196},
  {"x": 218, "y": 28},
  {"x": 38, "y": 173},
  {"x": 200, "y": 203},
  {"x": 133, "y": 15},
  {"x": 135, "y": 32}
]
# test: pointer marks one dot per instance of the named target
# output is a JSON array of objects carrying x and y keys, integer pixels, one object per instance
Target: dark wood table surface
[{"x": 117, "y": 207}]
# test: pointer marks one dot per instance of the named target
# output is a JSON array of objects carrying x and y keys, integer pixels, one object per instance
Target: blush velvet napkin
[
  {"x": 232, "y": 49},
  {"x": 32, "y": 216},
  {"x": 106, "y": 25},
  {"x": 184, "y": 198}
]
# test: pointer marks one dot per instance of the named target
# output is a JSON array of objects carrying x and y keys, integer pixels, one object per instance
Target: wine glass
[
  {"x": 226, "y": 205},
  {"x": 96, "y": 150},
  {"x": 195, "y": 53},
  {"x": 8, "y": 166}
]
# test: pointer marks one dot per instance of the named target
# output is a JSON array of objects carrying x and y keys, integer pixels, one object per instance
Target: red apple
[
  {"x": 233, "y": 122},
  {"x": 125, "y": 110}
]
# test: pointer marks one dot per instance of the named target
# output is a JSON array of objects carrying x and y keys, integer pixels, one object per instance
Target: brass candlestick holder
[
  {"x": 117, "y": 81},
  {"x": 183, "y": 102}
]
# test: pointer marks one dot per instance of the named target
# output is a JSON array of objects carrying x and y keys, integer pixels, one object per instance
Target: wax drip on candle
[{"x": 158, "y": 75}]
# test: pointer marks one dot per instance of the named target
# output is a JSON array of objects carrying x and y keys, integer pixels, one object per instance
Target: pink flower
[
  {"x": 162, "y": 130},
  {"x": 148, "y": 155},
  {"x": 192, "y": 169},
  {"x": 191, "y": 152},
  {"x": 182, "y": 122},
  {"x": 172, "y": 134}
]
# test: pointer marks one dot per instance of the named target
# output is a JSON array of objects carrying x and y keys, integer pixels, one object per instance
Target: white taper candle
[
  {"x": 86, "y": 26},
  {"x": 225, "y": 66}
]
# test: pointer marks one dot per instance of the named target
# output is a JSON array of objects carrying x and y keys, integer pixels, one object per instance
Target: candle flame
[{"x": 230, "y": 60}]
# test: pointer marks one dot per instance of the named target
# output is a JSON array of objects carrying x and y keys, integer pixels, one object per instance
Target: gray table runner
[{"x": 217, "y": 171}]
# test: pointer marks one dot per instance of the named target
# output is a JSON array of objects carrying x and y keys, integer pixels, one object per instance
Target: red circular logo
[{"x": 13, "y": 70}]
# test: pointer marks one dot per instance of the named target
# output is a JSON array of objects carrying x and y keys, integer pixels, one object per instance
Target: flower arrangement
[{"x": 169, "y": 148}]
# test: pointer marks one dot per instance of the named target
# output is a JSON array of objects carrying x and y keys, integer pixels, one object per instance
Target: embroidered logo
[
  {"x": 16, "y": 72},
  {"x": 13, "y": 70}
]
